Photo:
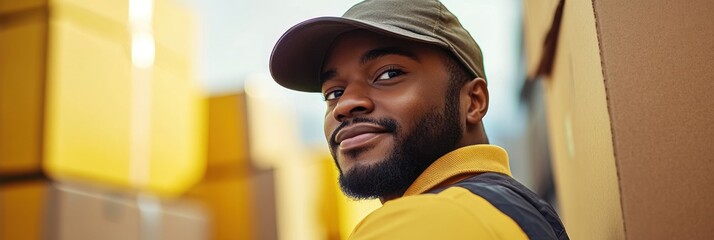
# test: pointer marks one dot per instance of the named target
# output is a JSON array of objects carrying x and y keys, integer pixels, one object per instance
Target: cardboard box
[
  {"x": 80, "y": 211},
  {"x": 73, "y": 105},
  {"x": 629, "y": 115},
  {"x": 34, "y": 210},
  {"x": 23, "y": 210},
  {"x": 65, "y": 99},
  {"x": 23, "y": 50},
  {"x": 228, "y": 188}
]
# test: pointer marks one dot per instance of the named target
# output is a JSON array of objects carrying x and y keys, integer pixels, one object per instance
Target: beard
[{"x": 435, "y": 134}]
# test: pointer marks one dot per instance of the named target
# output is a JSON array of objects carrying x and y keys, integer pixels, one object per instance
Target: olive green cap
[{"x": 298, "y": 55}]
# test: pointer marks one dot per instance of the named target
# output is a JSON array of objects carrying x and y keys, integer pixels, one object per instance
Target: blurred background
[{"x": 158, "y": 119}]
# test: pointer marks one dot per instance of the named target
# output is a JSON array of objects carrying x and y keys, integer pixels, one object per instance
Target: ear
[{"x": 477, "y": 95}]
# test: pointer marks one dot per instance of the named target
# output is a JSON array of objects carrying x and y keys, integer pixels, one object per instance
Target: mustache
[{"x": 390, "y": 125}]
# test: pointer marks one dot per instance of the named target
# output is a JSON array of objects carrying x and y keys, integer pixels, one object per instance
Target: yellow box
[
  {"x": 110, "y": 122},
  {"x": 23, "y": 210},
  {"x": 15, "y": 6},
  {"x": 22, "y": 79},
  {"x": 229, "y": 186}
]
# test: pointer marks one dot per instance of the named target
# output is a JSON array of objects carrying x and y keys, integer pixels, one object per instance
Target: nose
[{"x": 354, "y": 101}]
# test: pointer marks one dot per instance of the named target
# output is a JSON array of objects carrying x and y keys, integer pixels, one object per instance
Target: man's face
[{"x": 388, "y": 114}]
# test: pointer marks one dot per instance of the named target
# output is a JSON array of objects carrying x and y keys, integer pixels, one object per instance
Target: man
[{"x": 406, "y": 92}]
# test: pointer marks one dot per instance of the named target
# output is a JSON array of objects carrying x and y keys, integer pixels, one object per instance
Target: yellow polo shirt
[{"x": 454, "y": 213}]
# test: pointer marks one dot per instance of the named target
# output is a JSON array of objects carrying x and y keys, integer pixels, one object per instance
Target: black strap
[{"x": 535, "y": 216}]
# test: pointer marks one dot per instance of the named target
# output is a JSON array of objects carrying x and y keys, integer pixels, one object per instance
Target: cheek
[{"x": 410, "y": 106}]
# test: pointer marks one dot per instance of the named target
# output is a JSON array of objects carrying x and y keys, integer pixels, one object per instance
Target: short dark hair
[{"x": 458, "y": 74}]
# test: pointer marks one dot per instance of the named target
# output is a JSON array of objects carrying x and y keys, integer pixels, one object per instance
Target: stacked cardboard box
[
  {"x": 67, "y": 104},
  {"x": 628, "y": 87}
]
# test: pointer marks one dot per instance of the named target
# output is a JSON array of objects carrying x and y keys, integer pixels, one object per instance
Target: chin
[
  {"x": 363, "y": 157},
  {"x": 348, "y": 163}
]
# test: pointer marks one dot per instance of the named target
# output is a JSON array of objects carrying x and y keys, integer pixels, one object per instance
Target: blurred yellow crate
[
  {"x": 23, "y": 210},
  {"x": 23, "y": 34},
  {"x": 230, "y": 187},
  {"x": 14, "y": 6},
  {"x": 94, "y": 91},
  {"x": 116, "y": 11}
]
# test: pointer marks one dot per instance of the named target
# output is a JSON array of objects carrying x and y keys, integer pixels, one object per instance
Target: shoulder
[
  {"x": 454, "y": 213},
  {"x": 535, "y": 216}
]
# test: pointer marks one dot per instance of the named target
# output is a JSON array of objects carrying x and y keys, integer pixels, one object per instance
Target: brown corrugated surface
[
  {"x": 658, "y": 65},
  {"x": 579, "y": 127}
]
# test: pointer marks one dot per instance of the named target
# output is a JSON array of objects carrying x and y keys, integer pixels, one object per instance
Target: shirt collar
[{"x": 470, "y": 159}]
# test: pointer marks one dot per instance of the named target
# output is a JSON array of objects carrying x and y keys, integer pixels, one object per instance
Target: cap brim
[{"x": 297, "y": 57}]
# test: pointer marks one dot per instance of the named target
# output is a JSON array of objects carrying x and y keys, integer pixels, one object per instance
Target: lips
[{"x": 357, "y": 135}]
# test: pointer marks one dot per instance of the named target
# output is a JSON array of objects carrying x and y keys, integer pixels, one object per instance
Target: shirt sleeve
[{"x": 454, "y": 213}]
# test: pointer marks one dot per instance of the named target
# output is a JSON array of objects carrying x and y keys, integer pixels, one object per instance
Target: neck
[
  {"x": 389, "y": 198},
  {"x": 473, "y": 135}
]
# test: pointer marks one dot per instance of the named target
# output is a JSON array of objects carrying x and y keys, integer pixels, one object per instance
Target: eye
[
  {"x": 390, "y": 74},
  {"x": 332, "y": 95}
]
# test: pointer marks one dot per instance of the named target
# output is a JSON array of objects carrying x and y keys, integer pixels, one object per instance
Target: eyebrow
[
  {"x": 327, "y": 75},
  {"x": 370, "y": 56},
  {"x": 381, "y": 52}
]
